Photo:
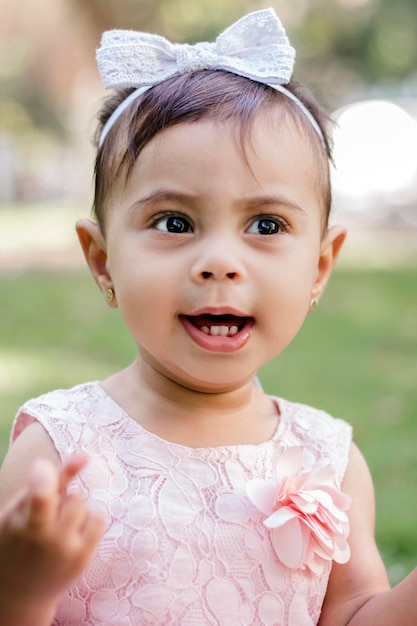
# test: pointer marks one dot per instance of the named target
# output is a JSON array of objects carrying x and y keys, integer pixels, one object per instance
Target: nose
[{"x": 218, "y": 260}]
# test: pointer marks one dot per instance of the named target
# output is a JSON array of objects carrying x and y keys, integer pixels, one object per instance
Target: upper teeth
[{"x": 224, "y": 331}]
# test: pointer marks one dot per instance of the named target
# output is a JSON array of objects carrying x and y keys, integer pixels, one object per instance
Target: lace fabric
[
  {"x": 256, "y": 46},
  {"x": 183, "y": 545}
]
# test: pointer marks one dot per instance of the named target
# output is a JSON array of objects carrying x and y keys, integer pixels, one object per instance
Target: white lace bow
[{"x": 255, "y": 46}]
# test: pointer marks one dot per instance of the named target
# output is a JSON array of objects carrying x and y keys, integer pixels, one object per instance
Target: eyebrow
[
  {"x": 272, "y": 200},
  {"x": 251, "y": 202},
  {"x": 163, "y": 196}
]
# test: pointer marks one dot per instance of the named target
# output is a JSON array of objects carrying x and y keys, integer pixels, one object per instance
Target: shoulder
[
  {"x": 324, "y": 438},
  {"x": 305, "y": 417},
  {"x": 47, "y": 426},
  {"x": 56, "y": 404},
  {"x": 61, "y": 398},
  {"x": 34, "y": 443}
]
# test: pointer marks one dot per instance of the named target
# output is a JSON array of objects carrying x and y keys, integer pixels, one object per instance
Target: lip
[
  {"x": 217, "y": 310},
  {"x": 226, "y": 317}
]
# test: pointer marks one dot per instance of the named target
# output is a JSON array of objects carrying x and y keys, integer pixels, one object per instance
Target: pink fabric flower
[{"x": 305, "y": 512}]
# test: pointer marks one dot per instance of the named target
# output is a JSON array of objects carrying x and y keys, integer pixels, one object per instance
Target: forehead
[
  {"x": 210, "y": 156},
  {"x": 190, "y": 98}
]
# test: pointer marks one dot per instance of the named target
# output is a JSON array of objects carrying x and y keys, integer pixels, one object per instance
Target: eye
[
  {"x": 267, "y": 225},
  {"x": 173, "y": 224}
]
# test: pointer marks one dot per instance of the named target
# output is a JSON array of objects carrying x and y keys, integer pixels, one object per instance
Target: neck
[{"x": 240, "y": 414}]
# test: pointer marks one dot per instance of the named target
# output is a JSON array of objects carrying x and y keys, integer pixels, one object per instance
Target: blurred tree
[
  {"x": 177, "y": 19},
  {"x": 345, "y": 46},
  {"x": 48, "y": 78}
]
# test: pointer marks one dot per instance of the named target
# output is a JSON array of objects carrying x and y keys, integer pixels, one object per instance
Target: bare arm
[
  {"x": 359, "y": 593},
  {"x": 47, "y": 536}
]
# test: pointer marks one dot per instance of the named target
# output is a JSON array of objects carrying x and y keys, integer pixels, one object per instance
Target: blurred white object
[{"x": 375, "y": 154}]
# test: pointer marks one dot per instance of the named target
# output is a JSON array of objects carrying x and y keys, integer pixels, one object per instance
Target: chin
[{"x": 215, "y": 385}]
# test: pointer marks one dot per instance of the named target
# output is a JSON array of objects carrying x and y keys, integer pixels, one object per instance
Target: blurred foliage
[
  {"x": 343, "y": 46},
  {"x": 50, "y": 87},
  {"x": 346, "y": 47}
]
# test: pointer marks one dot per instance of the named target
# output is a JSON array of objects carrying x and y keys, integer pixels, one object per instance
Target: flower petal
[
  {"x": 305, "y": 512},
  {"x": 306, "y": 503},
  {"x": 262, "y": 494},
  {"x": 290, "y": 463},
  {"x": 321, "y": 534},
  {"x": 281, "y": 516},
  {"x": 290, "y": 543},
  {"x": 342, "y": 550},
  {"x": 323, "y": 477}
]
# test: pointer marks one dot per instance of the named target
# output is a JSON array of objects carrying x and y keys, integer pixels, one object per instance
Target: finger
[
  {"x": 43, "y": 494},
  {"x": 71, "y": 467},
  {"x": 16, "y": 508},
  {"x": 80, "y": 527},
  {"x": 73, "y": 513},
  {"x": 93, "y": 529},
  {"x": 89, "y": 537}
]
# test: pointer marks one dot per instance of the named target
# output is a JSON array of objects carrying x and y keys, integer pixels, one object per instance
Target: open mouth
[{"x": 218, "y": 325}]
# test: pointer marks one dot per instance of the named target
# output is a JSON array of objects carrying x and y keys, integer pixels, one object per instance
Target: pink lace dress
[{"x": 183, "y": 544}]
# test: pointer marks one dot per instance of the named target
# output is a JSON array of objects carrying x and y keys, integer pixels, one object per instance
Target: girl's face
[{"x": 215, "y": 252}]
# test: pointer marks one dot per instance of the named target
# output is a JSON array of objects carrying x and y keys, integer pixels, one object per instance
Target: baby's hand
[{"x": 47, "y": 538}]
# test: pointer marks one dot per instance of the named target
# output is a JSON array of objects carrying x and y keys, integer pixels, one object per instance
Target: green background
[{"x": 355, "y": 357}]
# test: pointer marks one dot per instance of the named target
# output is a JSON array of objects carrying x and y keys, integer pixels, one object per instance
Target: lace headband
[{"x": 255, "y": 47}]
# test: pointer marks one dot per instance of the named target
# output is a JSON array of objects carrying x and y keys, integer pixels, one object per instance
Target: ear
[
  {"x": 329, "y": 251},
  {"x": 94, "y": 247}
]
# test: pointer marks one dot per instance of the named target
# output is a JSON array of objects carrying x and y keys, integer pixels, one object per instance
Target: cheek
[
  {"x": 295, "y": 271},
  {"x": 290, "y": 308},
  {"x": 144, "y": 294},
  {"x": 289, "y": 291},
  {"x": 290, "y": 304},
  {"x": 137, "y": 290}
]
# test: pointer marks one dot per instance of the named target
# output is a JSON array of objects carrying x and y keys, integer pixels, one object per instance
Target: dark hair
[{"x": 203, "y": 94}]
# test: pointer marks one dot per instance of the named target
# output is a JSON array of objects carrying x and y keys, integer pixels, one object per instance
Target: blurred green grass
[{"x": 355, "y": 357}]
